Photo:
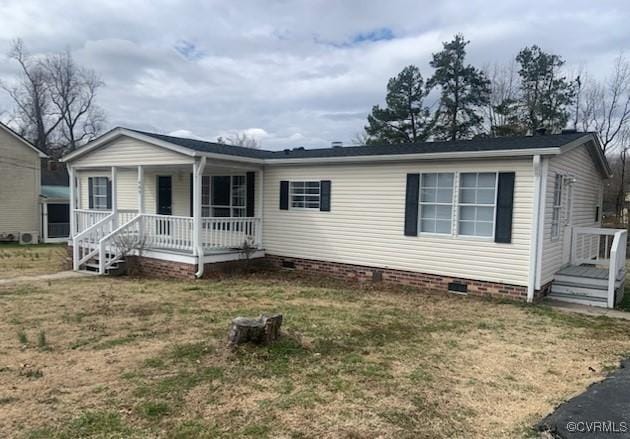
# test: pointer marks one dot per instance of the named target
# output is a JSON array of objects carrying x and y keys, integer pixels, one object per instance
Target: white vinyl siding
[
  {"x": 366, "y": 222},
  {"x": 131, "y": 152},
  {"x": 19, "y": 186},
  {"x": 586, "y": 193},
  {"x": 436, "y": 202}
]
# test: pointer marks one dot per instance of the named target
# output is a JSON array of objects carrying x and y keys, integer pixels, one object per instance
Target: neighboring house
[
  {"x": 19, "y": 186},
  {"x": 55, "y": 202},
  {"x": 497, "y": 216}
]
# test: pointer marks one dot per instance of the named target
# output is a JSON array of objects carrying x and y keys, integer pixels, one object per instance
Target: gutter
[{"x": 534, "y": 241}]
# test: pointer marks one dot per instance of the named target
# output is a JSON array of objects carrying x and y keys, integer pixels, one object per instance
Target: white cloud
[{"x": 282, "y": 70}]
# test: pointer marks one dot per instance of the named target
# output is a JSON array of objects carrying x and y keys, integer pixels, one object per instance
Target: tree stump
[{"x": 263, "y": 330}]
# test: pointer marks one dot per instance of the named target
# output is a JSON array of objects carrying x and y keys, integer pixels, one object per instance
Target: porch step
[
  {"x": 578, "y": 289},
  {"x": 93, "y": 266},
  {"x": 582, "y": 300}
]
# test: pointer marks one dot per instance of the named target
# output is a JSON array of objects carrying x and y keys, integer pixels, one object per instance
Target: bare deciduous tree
[
  {"x": 502, "y": 109},
  {"x": 54, "y": 100},
  {"x": 240, "y": 139},
  {"x": 606, "y": 105},
  {"x": 35, "y": 115},
  {"x": 73, "y": 90}
]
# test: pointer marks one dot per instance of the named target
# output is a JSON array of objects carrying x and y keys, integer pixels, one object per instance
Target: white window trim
[
  {"x": 494, "y": 206},
  {"x": 319, "y": 195},
  {"x": 231, "y": 206},
  {"x": 452, "y": 204},
  {"x": 557, "y": 207},
  {"x": 455, "y": 216},
  {"x": 100, "y": 197}
]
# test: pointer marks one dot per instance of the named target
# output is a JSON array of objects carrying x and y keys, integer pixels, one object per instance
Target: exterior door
[
  {"x": 567, "y": 232},
  {"x": 164, "y": 202}
]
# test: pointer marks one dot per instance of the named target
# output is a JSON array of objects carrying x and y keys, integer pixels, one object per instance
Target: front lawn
[
  {"x": 118, "y": 357},
  {"x": 25, "y": 260}
]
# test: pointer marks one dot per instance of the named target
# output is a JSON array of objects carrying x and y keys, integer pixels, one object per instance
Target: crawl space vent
[{"x": 457, "y": 288}]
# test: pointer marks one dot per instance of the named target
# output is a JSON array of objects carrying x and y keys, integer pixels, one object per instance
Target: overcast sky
[{"x": 290, "y": 73}]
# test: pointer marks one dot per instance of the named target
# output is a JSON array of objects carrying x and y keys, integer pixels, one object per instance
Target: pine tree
[
  {"x": 405, "y": 119},
  {"x": 545, "y": 94},
  {"x": 464, "y": 90}
]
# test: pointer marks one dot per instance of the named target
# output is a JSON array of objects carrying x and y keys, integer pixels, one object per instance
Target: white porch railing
[
  {"x": 85, "y": 245},
  {"x": 126, "y": 215},
  {"x": 105, "y": 237},
  {"x": 168, "y": 232},
  {"x": 125, "y": 238},
  {"x": 603, "y": 247},
  {"x": 86, "y": 218},
  {"x": 217, "y": 233}
]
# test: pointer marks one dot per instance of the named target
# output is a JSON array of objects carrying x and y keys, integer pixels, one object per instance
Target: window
[
  {"x": 304, "y": 194},
  {"x": 477, "y": 202},
  {"x": 436, "y": 202},
  {"x": 557, "y": 207},
  {"x": 99, "y": 193},
  {"x": 223, "y": 196}
]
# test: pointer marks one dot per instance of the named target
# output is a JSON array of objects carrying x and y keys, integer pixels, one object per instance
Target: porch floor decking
[{"x": 588, "y": 271}]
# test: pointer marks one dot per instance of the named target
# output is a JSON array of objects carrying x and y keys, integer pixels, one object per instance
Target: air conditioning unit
[{"x": 28, "y": 237}]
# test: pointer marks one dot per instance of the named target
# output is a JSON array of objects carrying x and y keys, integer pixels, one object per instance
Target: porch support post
[
  {"x": 198, "y": 167},
  {"x": 141, "y": 202},
  {"x": 45, "y": 220},
  {"x": 536, "y": 214},
  {"x": 261, "y": 206},
  {"x": 140, "y": 189},
  {"x": 73, "y": 206},
  {"x": 115, "y": 195}
]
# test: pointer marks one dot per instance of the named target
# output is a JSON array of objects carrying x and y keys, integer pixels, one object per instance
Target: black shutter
[
  {"x": 250, "y": 181},
  {"x": 109, "y": 194},
  {"x": 191, "y": 194},
  {"x": 284, "y": 195},
  {"x": 411, "y": 205},
  {"x": 505, "y": 203},
  {"x": 90, "y": 193},
  {"x": 324, "y": 196}
]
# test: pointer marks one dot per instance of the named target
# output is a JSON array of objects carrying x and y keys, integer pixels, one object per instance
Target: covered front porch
[{"x": 195, "y": 213}]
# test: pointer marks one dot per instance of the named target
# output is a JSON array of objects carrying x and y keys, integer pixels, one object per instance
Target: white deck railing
[
  {"x": 168, "y": 232},
  {"x": 218, "y": 233},
  {"x": 107, "y": 236},
  {"x": 85, "y": 245},
  {"x": 86, "y": 218},
  {"x": 603, "y": 247}
]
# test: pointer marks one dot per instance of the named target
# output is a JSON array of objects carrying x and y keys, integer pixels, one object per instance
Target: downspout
[
  {"x": 197, "y": 214},
  {"x": 534, "y": 242}
]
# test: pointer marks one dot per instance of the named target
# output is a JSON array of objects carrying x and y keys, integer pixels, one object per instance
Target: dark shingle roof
[
  {"x": 212, "y": 147},
  {"x": 473, "y": 145}
]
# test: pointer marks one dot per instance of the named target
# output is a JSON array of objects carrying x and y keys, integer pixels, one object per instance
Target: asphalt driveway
[{"x": 602, "y": 411}]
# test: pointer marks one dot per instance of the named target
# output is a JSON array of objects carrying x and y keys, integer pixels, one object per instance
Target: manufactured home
[{"x": 516, "y": 217}]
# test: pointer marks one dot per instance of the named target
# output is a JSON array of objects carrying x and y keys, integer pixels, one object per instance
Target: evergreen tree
[
  {"x": 405, "y": 119},
  {"x": 545, "y": 94},
  {"x": 464, "y": 91}
]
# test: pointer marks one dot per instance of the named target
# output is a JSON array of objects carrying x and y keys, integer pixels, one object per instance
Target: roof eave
[{"x": 418, "y": 156}]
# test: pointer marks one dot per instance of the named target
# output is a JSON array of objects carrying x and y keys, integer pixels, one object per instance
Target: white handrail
[
  {"x": 85, "y": 243},
  {"x": 168, "y": 232},
  {"x": 86, "y": 218},
  {"x": 110, "y": 251},
  {"x": 591, "y": 245},
  {"x": 617, "y": 263}
]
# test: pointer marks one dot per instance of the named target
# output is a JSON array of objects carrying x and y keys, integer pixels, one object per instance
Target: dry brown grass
[
  {"x": 29, "y": 260},
  {"x": 137, "y": 358}
]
